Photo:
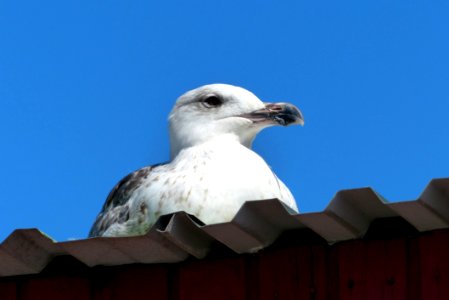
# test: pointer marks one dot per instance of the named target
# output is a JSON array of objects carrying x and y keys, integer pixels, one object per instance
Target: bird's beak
[{"x": 276, "y": 113}]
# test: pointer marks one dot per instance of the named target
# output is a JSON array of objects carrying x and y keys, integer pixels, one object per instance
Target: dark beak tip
[{"x": 289, "y": 115}]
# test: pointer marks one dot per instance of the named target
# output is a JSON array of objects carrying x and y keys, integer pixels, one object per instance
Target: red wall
[{"x": 409, "y": 266}]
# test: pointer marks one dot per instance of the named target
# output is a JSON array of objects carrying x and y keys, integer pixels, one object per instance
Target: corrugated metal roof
[{"x": 258, "y": 224}]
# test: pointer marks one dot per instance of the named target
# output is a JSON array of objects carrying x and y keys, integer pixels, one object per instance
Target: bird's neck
[{"x": 221, "y": 141}]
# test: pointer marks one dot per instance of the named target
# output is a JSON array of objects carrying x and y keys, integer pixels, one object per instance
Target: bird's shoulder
[
  {"x": 126, "y": 186},
  {"x": 116, "y": 207}
]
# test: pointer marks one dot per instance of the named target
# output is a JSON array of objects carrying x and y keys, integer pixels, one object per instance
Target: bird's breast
[{"x": 211, "y": 183}]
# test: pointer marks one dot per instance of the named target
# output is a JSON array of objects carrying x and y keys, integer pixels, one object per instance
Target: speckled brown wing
[{"x": 116, "y": 208}]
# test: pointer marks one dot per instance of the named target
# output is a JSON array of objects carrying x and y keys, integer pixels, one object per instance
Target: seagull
[{"x": 212, "y": 171}]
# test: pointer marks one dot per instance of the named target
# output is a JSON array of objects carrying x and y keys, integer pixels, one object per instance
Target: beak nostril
[{"x": 274, "y": 107}]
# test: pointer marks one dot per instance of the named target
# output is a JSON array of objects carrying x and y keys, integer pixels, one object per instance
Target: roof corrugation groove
[{"x": 257, "y": 224}]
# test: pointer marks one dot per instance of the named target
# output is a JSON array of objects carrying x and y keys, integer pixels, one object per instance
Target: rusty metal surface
[{"x": 257, "y": 225}]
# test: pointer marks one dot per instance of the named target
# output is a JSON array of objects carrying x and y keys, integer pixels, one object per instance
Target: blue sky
[{"x": 86, "y": 86}]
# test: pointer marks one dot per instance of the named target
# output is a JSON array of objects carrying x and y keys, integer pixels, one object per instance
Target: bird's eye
[{"x": 212, "y": 101}]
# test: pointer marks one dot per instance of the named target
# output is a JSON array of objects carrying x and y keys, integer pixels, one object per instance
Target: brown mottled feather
[{"x": 116, "y": 206}]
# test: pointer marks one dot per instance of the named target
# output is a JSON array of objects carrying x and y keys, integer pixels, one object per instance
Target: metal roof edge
[{"x": 256, "y": 225}]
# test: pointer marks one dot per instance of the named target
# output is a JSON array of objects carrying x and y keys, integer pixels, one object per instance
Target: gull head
[{"x": 217, "y": 110}]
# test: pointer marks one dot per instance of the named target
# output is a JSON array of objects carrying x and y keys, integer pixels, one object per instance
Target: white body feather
[{"x": 210, "y": 181}]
